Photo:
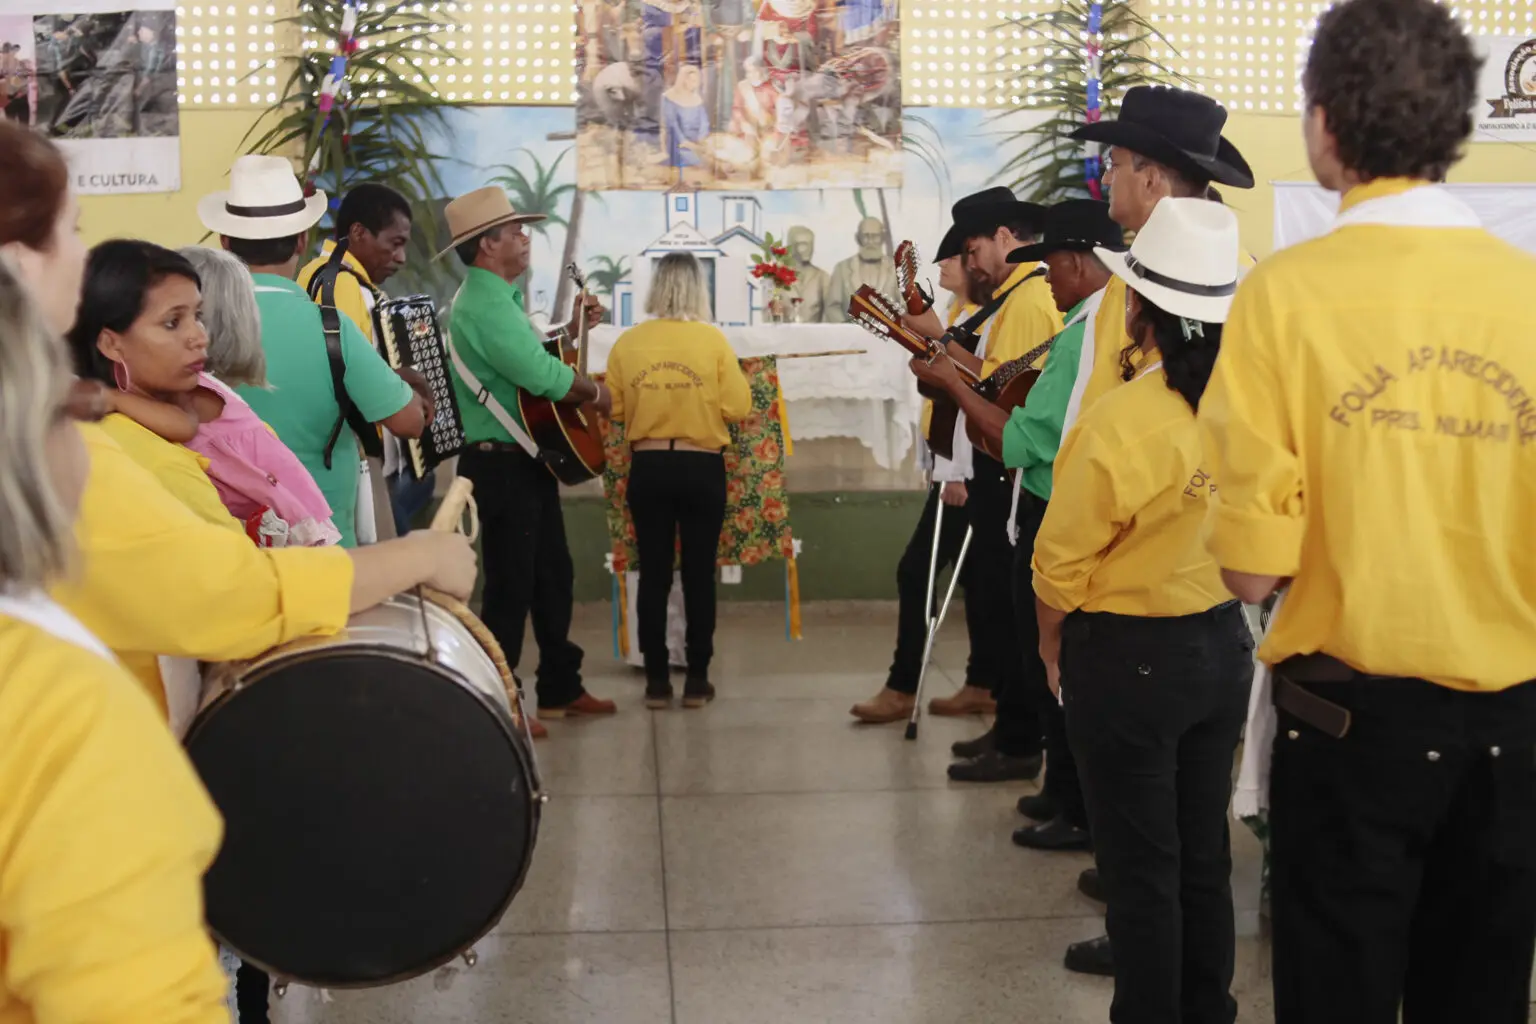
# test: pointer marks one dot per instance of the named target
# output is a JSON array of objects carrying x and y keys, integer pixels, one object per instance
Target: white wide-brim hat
[
  {"x": 1184, "y": 260},
  {"x": 264, "y": 200}
]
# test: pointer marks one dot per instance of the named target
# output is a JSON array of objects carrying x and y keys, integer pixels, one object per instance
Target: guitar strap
[
  {"x": 490, "y": 402},
  {"x": 967, "y": 334}
]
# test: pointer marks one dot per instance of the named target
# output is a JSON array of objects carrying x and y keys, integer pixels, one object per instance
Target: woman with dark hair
[
  {"x": 1146, "y": 649},
  {"x": 140, "y": 333}
]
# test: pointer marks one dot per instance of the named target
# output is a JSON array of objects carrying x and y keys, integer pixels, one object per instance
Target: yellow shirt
[
  {"x": 1372, "y": 420},
  {"x": 1111, "y": 337},
  {"x": 958, "y": 311},
  {"x": 180, "y": 470},
  {"x": 1027, "y": 319},
  {"x": 677, "y": 379},
  {"x": 105, "y": 832},
  {"x": 1129, "y": 496},
  {"x": 350, "y": 301},
  {"x": 154, "y": 579}
]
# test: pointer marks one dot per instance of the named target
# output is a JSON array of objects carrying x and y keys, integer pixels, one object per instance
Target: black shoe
[
  {"x": 1091, "y": 957},
  {"x": 697, "y": 692},
  {"x": 1056, "y": 834},
  {"x": 1089, "y": 885},
  {"x": 1038, "y": 806},
  {"x": 658, "y": 692},
  {"x": 972, "y": 748},
  {"x": 995, "y": 767}
]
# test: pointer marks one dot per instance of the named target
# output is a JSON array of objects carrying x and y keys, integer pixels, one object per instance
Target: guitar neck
[{"x": 581, "y": 333}]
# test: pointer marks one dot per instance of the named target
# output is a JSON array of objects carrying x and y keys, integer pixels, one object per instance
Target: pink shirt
[{"x": 253, "y": 471}]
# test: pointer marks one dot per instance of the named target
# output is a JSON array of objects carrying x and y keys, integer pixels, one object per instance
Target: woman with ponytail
[{"x": 1146, "y": 649}]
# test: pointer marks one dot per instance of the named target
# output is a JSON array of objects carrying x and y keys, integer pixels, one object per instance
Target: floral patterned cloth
[{"x": 756, "y": 504}]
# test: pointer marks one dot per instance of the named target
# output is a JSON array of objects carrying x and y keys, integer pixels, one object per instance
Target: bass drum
[{"x": 380, "y": 797}]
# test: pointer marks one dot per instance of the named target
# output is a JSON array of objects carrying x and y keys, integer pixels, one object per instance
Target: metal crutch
[{"x": 936, "y": 621}]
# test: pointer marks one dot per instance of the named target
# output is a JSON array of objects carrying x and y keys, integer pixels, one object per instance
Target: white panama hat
[
  {"x": 264, "y": 200},
  {"x": 1184, "y": 260}
]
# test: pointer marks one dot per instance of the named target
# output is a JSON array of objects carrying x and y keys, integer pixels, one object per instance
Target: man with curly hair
[{"x": 1372, "y": 420}]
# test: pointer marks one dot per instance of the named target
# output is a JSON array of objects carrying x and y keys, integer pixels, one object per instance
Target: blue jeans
[{"x": 408, "y": 496}]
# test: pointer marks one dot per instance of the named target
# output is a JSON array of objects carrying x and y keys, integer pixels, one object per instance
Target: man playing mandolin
[{"x": 526, "y": 558}]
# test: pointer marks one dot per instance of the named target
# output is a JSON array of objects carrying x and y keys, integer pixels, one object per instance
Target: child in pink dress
[{"x": 260, "y": 481}]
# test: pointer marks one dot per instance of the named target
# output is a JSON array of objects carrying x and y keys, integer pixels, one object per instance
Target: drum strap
[{"x": 37, "y": 609}]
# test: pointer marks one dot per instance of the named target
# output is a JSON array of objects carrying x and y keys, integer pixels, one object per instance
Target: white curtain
[{"x": 1305, "y": 210}]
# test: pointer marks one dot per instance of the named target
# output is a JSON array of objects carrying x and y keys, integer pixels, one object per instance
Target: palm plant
[
  {"x": 606, "y": 273},
  {"x": 1047, "y": 165},
  {"x": 384, "y": 120}
]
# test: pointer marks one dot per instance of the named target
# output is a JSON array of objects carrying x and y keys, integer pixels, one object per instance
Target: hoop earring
[{"x": 120, "y": 376}]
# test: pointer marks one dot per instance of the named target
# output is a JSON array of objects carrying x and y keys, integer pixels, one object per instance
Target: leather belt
[
  {"x": 1292, "y": 696},
  {"x": 671, "y": 444}
]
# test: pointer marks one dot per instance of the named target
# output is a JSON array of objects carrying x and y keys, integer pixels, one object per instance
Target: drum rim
[{"x": 522, "y": 749}]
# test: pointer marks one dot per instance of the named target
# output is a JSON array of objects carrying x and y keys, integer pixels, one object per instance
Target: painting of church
[{"x": 735, "y": 298}]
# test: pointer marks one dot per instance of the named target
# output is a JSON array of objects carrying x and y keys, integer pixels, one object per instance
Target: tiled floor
[{"x": 766, "y": 861}]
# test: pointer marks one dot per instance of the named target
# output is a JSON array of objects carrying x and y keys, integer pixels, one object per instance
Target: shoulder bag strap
[{"x": 324, "y": 282}]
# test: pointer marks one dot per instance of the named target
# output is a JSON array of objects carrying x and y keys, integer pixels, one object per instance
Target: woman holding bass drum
[
  {"x": 106, "y": 830},
  {"x": 387, "y": 758},
  {"x": 676, "y": 383}
]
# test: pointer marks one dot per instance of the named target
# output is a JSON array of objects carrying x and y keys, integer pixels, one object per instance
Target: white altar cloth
[{"x": 871, "y": 397}]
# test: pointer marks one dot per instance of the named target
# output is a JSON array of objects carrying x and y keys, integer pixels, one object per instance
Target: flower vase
[{"x": 778, "y": 308}]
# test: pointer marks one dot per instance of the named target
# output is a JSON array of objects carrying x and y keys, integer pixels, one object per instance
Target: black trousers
[
  {"x": 1061, "y": 781},
  {"x": 251, "y": 987},
  {"x": 1154, "y": 708},
  {"x": 677, "y": 498},
  {"x": 912, "y": 593},
  {"x": 1017, "y": 731},
  {"x": 527, "y": 565},
  {"x": 1403, "y": 857}
]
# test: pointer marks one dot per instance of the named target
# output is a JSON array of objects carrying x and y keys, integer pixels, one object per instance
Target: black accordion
[{"x": 411, "y": 336}]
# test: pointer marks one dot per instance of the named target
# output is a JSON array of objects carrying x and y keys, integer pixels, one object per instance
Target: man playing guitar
[
  {"x": 992, "y": 224},
  {"x": 527, "y": 560}
]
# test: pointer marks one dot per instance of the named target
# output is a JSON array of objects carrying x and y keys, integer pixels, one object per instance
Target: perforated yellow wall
[{"x": 954, "y": 52}]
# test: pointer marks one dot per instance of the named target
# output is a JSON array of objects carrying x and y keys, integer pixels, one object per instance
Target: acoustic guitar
[{"x": 570, "y": 437}]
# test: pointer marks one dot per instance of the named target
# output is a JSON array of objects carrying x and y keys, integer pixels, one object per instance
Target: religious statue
[
  {"x": 870, "y": 265},
  {"x": 811, "y": 282}
]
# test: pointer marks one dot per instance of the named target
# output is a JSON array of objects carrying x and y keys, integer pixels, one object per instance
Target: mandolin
[{"x": 570, "y": 437}]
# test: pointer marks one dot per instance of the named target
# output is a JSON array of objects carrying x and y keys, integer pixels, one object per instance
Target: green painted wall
[{"x": 850, "y": 545}]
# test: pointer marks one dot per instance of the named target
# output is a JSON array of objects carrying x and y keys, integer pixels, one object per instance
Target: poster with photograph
[
  {"x": 738, "y": 94},
  {"x": 1506, "y": 103},
  {"x": 100, "y": 80}
]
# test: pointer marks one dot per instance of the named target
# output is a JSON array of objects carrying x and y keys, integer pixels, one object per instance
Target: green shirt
[
  {"x": 1033, "y": 431},
  {"x": 301, "y": 406},
  {"x": 493, "y": 335}
]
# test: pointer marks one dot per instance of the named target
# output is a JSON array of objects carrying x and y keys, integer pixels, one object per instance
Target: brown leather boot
[
  {"x": 886, "y": 706},
  {"x": 968, "y": 700}
]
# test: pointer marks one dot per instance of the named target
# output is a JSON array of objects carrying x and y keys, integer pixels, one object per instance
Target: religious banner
[
  {"x": 99, "y": 78},
  {"x": 756, "y": 504},
  {"x": 738, "y": 94},
  {"x": 1506, "y": 104}
]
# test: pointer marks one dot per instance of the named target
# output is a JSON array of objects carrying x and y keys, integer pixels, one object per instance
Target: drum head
[{"x": 378, "y": 817}]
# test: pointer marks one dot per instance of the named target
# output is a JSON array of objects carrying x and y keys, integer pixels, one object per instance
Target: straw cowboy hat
[
  {"x": 476, "y": 212},
  {"x": 264, "y": 200},
  {"x": 1177, "y": 128},
  {"x": 1184, "y": 261}
]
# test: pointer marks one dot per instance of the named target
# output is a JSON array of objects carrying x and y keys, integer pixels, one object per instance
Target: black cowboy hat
[
  {"x": 1176, "y": 127},
  {"x": 1079, "y": 225},
  {"x": 983, "y": 212},
  {"x": 952, "y": 245}
]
